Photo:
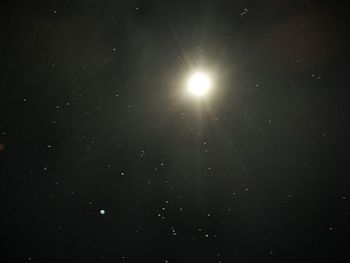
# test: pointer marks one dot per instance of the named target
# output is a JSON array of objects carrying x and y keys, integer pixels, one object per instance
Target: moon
[{"x": 199, "y": 84}]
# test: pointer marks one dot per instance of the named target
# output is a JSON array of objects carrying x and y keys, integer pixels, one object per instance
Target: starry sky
[{"x": 103, "y": 158}]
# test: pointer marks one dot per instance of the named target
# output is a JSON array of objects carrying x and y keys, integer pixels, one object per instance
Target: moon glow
[{"x": 199, "y": 84}]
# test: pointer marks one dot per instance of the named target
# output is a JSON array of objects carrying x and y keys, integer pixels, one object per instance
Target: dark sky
[{"x": 103, "y": 159}]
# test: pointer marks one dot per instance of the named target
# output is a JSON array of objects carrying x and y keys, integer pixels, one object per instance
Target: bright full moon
[{"x": 199, "y": 84}]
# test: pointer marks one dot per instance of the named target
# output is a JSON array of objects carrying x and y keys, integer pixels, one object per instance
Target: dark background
[{"x": 92, "y": 118}]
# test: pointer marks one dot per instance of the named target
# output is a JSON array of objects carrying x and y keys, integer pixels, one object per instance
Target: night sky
[{"x": 105, "y": 158}]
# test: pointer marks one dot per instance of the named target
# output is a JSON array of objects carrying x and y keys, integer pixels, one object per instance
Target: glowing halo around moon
[{"x": 199, "y": 84}]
